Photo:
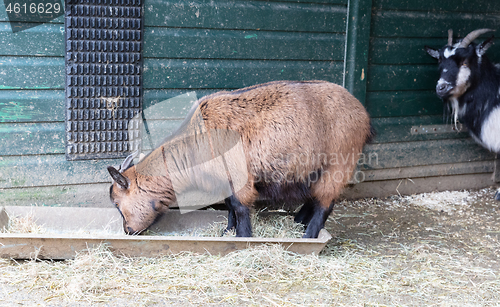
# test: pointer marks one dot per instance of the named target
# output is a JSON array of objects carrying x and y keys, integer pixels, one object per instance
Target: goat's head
[
  {"x": 138, "y": 208},
  {"x": 458, "y": 63}
]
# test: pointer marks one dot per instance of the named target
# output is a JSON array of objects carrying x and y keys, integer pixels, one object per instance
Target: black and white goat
[{"x": 470, "y": 84}]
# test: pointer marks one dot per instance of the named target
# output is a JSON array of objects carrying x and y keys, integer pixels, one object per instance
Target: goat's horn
[
  {"x": 126, "y": 163},
  {"x": 450, "y": 37},
  {"x": 472, "y": 36}
]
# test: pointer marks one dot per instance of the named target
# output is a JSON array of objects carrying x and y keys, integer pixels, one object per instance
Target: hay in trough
[
  {"x": 386, "y": 265},
  {"x": 24, "y": 224},
  {"x": 270, "y": 225}
]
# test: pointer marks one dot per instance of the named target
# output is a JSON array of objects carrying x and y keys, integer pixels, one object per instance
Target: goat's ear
[
  {"x": 481, "y": 48},
  {"x": 432, "y": 52},
  {"x": 121, "y": 180}
]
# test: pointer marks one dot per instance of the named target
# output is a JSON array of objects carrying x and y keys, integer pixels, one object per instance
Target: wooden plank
[
  {"x": 482, "y": 6},
  {"x": 402, "y": 50},
  {"x": 22, "y": 106},
  {"x": 51, "y": 170},
  {"x": 216, "y": 74},
  {"x": 232, "y": 44},
  {"x": 402, "y": 77},
  {"x": 175, "y": 100},
  {"x": 31, "y": 106},
  {"x": 248, "y": 15},
  {"x": 478, "y": 167},
  {"x": 32, "y": 138},
  {"x": 408, "y": 154},
  {"x": 44, "y": 40},
  {"x": 403, "y": 103},
  {"x": 44, "y": 138},
  {"x": 80, "y": 195},
  {"x": 387, "y": 188},
  {"x": 32, "y": 72},
  {"x": 398, "y": 129},
  {"x": 158, "y": 130},
  {"x": 30, "y": 246},
  {"x": 358, "y": 37},
  {"x": 416, "y": 24}
]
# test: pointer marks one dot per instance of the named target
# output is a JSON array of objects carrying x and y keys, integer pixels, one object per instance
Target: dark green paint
[
  {"x": 428, "y": 23},
  {"x": 31, "y": 73},
  {"x": 246, "y": 15},
  {"x": 31, "y": 106},
  {"x": 358, "y": 37},
  {"x": 402, "y": 77},
  {"x": 219, "y": 74},
  {"x": 398, "y": 129},
  {"x": 31, "y": 138},
  {"x": 47, "y": 170},
  {"x": 232, "y": 44},
  {"x": 403, "y": 103},
  {"x": 439, "y": 6},
  {"x": 43, "y": 40},
  {"x": 410, "y": 154}
]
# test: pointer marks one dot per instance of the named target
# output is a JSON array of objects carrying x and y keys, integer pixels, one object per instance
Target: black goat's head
[{"x": 459, "y": 63}]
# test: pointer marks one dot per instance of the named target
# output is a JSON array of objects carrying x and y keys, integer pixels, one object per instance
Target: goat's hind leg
[
  {"x": 231, "y": 216},
  {"x": 497, "y": 194},
  {"x": 318, "y": 218},
  {"x": 239, "y": 217},
  {"x": 305, "y": 213}
]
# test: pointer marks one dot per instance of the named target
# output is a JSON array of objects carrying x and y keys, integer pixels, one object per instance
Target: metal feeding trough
[{"x": 67, "y": 231}]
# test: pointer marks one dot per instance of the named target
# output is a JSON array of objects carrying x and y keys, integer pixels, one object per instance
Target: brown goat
[{"x": 299, "y": 142}]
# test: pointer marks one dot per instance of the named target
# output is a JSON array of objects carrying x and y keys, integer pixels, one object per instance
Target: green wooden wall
[
  {"x": 204, "y": 46},
  {"x": 401, "y": 81}
]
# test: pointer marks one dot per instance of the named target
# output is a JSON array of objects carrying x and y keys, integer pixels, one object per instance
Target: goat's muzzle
[{"x": 443, "y": 89}]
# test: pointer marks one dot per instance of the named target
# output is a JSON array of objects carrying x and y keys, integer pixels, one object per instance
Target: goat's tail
[{"x": 373, "y": 133}]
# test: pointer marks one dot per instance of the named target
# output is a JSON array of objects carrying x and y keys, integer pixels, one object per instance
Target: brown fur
[{"x": 289, "y": 130}]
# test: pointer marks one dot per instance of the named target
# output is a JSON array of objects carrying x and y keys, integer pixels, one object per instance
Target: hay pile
[
  {"x": 447, "y": 201},
  {"x": 425, "y": 271},
  {"x": 270, "y": 226},
  {"x": 24, "y": 224},
  {"x": 266, "y": 275}
]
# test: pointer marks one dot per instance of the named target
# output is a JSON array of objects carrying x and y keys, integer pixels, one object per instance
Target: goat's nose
[
  {"x": 442, "y": 88},
  {"x": 129, "y": 230}
]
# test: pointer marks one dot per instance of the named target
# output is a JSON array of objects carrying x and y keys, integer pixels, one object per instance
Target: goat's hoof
[{"x": 497, "y": 195}]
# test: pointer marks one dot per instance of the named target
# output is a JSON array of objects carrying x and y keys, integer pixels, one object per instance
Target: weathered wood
[
  {"x": 31, "y": 138},
  {"x": 30, "y": 246},
  {"x": 219, "y": 74},
  {"x": 479, "y": 167},
  {"x": 248, "y": 15},
  {"x": 439, "y": 6},
  {"x": 403, "y": 103},
  {"x": 416, "y": 23},
  {"x": 356, "y": 57},
  {"x": 402, "y": 77},
  {"x": 79, "y": 195},
  {"x": 31, "y": 106},
  {"x": 232, "y": 44},
  {"x": 410, "y": 186},
  {"x": 47, "y": 170},
  {"x": 404, "y": 50},
  {"x": 398, "y": 129},
  {"x": 32, "y": 73},
  {"x": 43, "y": 40},
  {"x": 407, "y": 154}
]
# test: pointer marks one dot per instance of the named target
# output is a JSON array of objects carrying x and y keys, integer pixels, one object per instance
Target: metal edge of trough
[{"x": 66, "y": 246}]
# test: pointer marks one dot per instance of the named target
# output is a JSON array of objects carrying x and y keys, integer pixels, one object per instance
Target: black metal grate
[{"x": 103, "y": 77}]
